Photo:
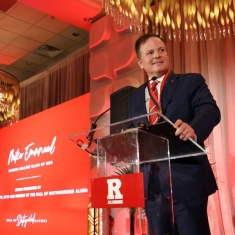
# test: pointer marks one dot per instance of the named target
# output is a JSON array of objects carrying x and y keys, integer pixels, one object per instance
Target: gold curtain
[{"x": 9, "y": 99}]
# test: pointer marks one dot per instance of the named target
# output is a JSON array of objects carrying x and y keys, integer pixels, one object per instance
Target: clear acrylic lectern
[{"x": 120, "y": 149}]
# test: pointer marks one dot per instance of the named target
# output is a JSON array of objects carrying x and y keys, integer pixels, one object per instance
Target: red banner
[
  {"x": 44, "y": 176},
  {"x": 118, "y": 191}
]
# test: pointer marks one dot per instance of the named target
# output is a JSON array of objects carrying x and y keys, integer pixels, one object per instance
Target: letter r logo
[{"x": 113, "y": 189}]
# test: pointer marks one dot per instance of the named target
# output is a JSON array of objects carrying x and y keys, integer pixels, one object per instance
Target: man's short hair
[{"x": 142, "y": 39}]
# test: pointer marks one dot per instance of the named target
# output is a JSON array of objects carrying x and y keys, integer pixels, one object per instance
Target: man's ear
[{"x": 139, "y": 63}]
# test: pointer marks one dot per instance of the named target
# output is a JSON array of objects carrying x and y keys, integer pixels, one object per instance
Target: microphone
[{"x": 94, "y": 125}]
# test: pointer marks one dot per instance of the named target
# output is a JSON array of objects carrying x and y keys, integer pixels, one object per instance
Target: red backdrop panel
[{"x": 44, "y": 176}]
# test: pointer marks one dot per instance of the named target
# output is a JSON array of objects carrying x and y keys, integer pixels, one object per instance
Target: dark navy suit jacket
[{"x": 185, "y": 97}]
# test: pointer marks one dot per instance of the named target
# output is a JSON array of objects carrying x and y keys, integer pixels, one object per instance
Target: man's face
[{"x": 153, "y": 57}]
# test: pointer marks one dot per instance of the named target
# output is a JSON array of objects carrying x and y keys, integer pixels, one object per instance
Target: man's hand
[{"x": 184, "y": 131}]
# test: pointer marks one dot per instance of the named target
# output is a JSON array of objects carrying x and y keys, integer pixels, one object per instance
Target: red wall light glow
[{"x": 44, "y": 176}]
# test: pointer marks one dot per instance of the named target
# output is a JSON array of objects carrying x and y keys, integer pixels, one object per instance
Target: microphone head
[{"x": 153, "y": 78}]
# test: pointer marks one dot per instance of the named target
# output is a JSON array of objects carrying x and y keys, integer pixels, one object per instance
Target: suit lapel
[
  {"x": 168, "y": 90},
  {"x": 143, "y": 105},
  {"x": 138, "y": 105}
]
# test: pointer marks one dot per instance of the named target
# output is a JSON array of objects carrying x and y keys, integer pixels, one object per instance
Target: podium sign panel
[
  {"x": 147, "y": 149},
  {"x": 117, "y": 191}
]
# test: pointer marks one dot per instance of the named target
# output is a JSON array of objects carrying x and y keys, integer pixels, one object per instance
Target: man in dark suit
[{"x": 186, "y": 100}]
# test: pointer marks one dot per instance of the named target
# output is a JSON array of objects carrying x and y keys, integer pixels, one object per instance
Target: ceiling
[{"x": 35, "y": 35}]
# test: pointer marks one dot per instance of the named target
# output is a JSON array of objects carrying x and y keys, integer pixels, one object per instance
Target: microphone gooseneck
[{"x": 94, "y": 125}]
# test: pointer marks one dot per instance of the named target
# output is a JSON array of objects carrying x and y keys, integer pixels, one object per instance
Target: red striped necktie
[{"x": 154, "y": 106}]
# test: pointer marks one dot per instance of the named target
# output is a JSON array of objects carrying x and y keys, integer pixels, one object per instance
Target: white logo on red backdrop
[
  {"x": 14, "y": 156},
  {"x": 23, "y": 220}
]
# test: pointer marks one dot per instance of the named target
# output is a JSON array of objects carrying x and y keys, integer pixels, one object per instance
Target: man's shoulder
[
  {"x": 188, "y": 77},
  {"x": 185, "y": 75}
]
